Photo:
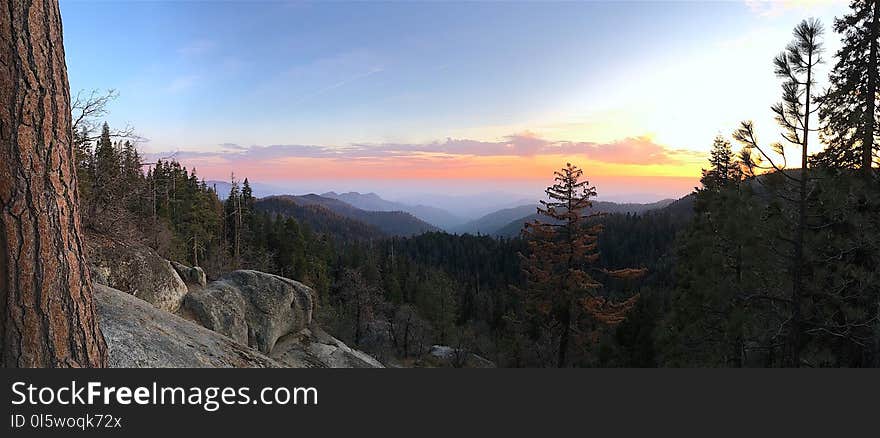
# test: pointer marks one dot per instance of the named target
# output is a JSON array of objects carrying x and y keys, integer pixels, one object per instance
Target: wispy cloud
[
  {"x": 182, "y": 83},
  {"x": 197, "y": 47},
  {"x": 310, "y": 78},
  {"x": 632, "y": 151},
  {"x": 339, "y": 84},
  {"x": 232, "y": 147},
  {"x": 773, "y": 8}
]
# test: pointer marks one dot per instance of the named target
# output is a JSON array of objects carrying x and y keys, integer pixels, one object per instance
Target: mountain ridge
[
  {"x": 393, "y": 223},
  {"x": 489, "y": 224},
  {"x": 373, "y": 202},
  {"x": 319, "y": 219}
]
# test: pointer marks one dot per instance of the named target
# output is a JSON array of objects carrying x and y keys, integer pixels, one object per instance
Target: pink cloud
[{"x": 631, "y": 150}]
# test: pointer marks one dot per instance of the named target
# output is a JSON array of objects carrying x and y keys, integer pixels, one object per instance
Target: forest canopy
[{"x": 771, "y": 262}]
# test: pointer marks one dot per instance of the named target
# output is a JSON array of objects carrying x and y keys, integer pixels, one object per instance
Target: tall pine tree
[
  {"x": 563, "y": 250},
  {"x": 107, "y": 170},
  {"x": 850, "y": 119},
  {"x": 796, "y": 66}
]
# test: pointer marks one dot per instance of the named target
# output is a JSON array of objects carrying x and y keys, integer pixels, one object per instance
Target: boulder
[
  {"x": 136, "y": 269},
  {"x": 140, "y": 336},
  {"x": 314, "y": 344},
  {"x": 252, "y": 307},
  {"x": 190, "y": 275}
]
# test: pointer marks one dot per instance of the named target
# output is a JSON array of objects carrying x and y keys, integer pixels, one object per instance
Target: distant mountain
[
  {"x": 319, "y": 219},
  {"x": 494, "y": 221},
  {"x": 682, "y": 208},
  {"x": 260, "y": 190},
  {"x": 372, "y": 202},
  {"x": 513, "y": 227},
  {"x": 365, "y": 201},
  {"x": 468, "y": 207},
  {"x": 394, "y": 223}
]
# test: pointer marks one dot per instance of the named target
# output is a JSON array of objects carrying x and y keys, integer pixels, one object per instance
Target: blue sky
[{"x": 193, "y": 76}]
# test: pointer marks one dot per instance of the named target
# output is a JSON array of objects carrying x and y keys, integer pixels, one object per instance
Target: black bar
[{"x": 455, "y": 402}]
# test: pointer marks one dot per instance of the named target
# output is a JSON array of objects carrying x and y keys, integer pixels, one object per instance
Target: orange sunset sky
[{"x": 448, "y": 98}]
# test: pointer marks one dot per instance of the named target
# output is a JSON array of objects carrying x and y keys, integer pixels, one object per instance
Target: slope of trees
[
  {"x": 768, "y": 263},
  {"x": 319, "y": 218},
  {"x": 775, "y": 269},
  {"x": 392, "y": 223}
]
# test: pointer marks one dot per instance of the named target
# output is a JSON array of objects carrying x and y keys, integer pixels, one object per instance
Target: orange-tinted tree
[{"x": 560, "y": 267}]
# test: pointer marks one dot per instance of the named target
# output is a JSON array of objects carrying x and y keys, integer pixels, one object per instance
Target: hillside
[
  {"x": 394, "y": 223},
  {"x": 319, "y": 219},
  {"x": 373, "y": 202},
  {"x": 508, "y": 222},
  {"x": 494, "y": 221}
]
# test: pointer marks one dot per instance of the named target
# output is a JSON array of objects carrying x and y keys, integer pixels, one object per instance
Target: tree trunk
[
  {"x": 562, "y": 358},
  {"x": 47, "y": 318},
  {"x": 797, "y": 283},
  {"x": 357, "y": 322},
  {"x": 870, "y": 116}
]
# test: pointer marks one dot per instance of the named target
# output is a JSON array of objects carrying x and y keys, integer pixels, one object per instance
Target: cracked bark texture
[{"x": 47, "y": 317}]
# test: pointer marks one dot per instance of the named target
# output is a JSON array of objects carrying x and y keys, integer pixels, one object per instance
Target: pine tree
[
  {"x": 438, "y": 299},
  {"x": 85, "y": 164},
  {"x": 131, "y": 184},
  {"x": 233, "y": 221},
  {"x": 850, "y": 119},
  {"x": 563, "y": 252},
  {"x": 107, "y": 171},
  {"x": 724, "y": 169},
  {"x": 131, "y": 163},
  {"x": 248, "y": 200},
  {"x": 359, "y": 300},
  {"x": 247, "y": 227},
  {"x": 796, "y": 67},
  {"x": 718, "y": 313}
]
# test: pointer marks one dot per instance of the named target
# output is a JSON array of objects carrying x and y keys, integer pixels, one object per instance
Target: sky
[{"x": 409, "y": 98}]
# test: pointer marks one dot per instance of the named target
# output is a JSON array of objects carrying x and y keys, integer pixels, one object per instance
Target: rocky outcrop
[
  {"x": 273, "y": 315},
  {"x": 252, "y": 307},
  {"x": 236, "y": 321},
  {"x": 136, "y": 269},
  {"x": 140, "y": 336},
  {"x": 190, "y": 275},
  {"x": 313, "y": 343}
]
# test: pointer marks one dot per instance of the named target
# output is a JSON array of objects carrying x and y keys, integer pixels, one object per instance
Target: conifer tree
[
  {"x": 717, "y": 316},
  {"x": 561, "y": 264},
  {"x": 360, "y": 301},
  {"x": 247, "y": 228},
  {"x": 248, "y": 200},
  {"x": 85, "y": 162},
  {"x": 131, "y": 184},
  {"x": 850, "y": 119},
  {"x": 437, "y": 298},
  {"x": 107, "y": 171},
  {"x": 233, "y": 221},
  {"x": 796, "y": 67},
  {"x": 724, "y": 168}
]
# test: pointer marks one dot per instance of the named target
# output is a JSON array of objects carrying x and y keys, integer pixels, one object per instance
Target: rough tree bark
[{"x": 47, "y": 318}]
